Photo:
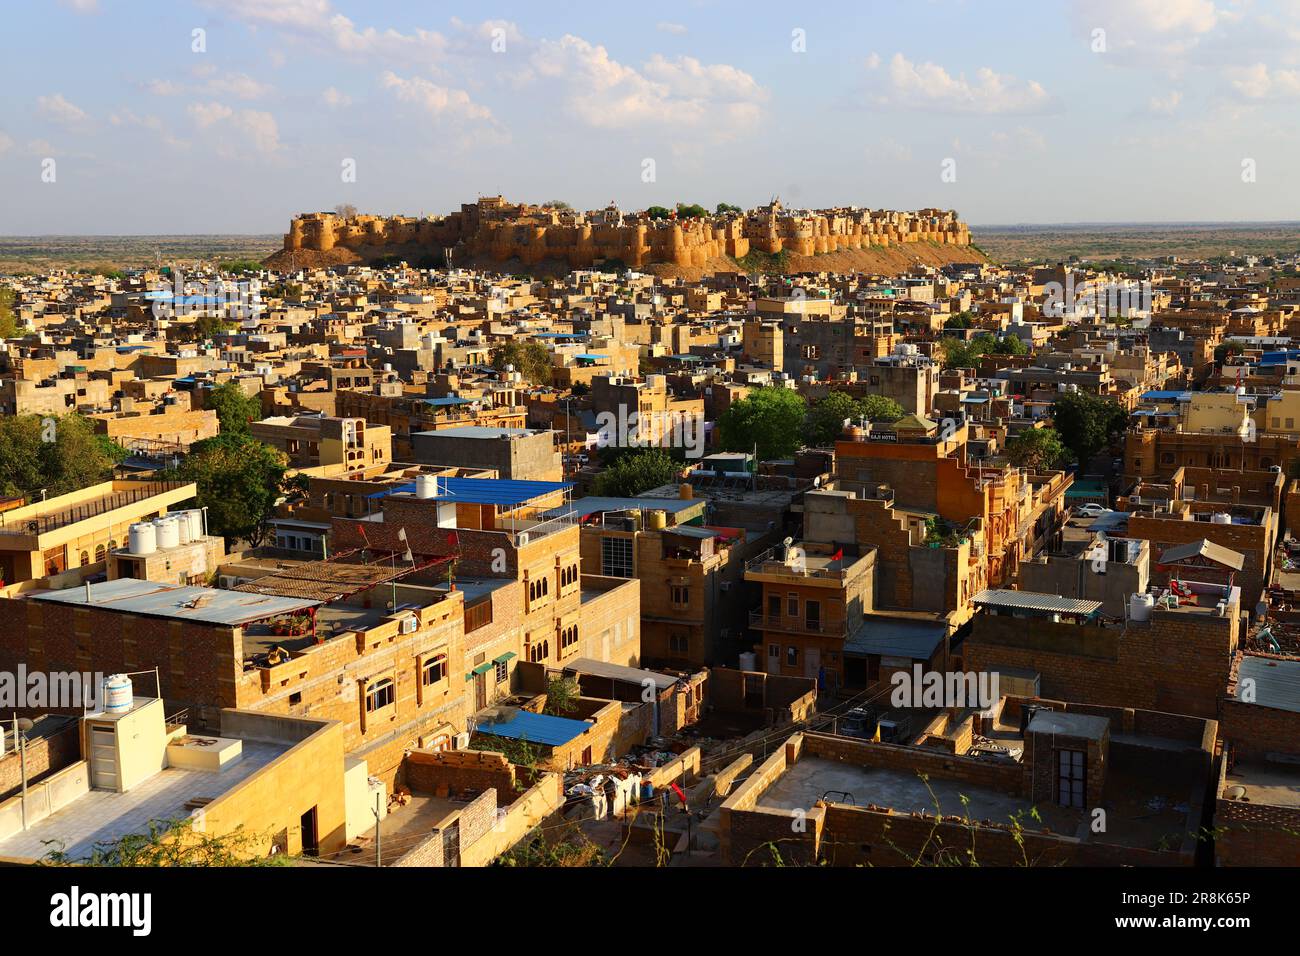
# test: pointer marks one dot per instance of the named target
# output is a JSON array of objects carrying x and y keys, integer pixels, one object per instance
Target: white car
[{"x": 1091, "y": 510}]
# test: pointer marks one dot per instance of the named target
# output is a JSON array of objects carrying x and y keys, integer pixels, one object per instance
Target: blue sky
[{"x": 1044, "y": 118}]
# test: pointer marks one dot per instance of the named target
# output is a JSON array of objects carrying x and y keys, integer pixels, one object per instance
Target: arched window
[
  {"x": 85, "y": 558},
  {"x": 99, "y": 553}
]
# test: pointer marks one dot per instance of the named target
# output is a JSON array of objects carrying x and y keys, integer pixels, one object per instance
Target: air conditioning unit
[
  {"x": 410, "y": 624},
  {"x": 462, "y": 741},
  {"x": 1135, "y": 499}
]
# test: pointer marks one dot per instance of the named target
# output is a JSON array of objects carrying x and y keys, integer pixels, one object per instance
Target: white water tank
[
  {"x": 426, "y": 486},
  {"x": 1139, "y": 607},
  {"x": 118, "y": 694},
  {"x": 1220, "y": 517},
  {"x": 748, "y": 661},
  {"x": 142, "y": 538},
  {"x": 168, "y": 531},
  {"x": 182, "y": 522},
  {"x": 195, "y": 518}
]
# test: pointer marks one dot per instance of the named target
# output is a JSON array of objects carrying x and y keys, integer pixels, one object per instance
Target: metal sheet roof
[
  {"x": 1277, "y": 683},
  {"x": 621, "y": 672},
  {"x": 503, "y": 492},
  {"x": 1033, "y": 601},
  {"x": 1205, "y": 549},
  {"x": 895, "y": 637},
  {"x": 179, "y": 602},
  {"x": 536, "y": 728},
  {"x": 593, "y": 504}
]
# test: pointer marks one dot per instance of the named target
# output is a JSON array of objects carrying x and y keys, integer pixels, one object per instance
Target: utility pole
[{"x": 378, "y": 826}]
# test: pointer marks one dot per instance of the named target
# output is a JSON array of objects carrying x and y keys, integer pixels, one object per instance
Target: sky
[{"x": 230, "y": 116}]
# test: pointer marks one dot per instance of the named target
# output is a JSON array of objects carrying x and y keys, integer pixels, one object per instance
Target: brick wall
[{"x": 43, "y": 755}]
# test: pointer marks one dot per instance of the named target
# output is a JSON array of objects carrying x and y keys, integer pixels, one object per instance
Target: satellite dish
[
  {"x": 25, "y": 724},
  {"x": 788, "y": 541}
]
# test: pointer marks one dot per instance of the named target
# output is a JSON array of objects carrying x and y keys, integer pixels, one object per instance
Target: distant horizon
[{"x": 1081, "y": 225}]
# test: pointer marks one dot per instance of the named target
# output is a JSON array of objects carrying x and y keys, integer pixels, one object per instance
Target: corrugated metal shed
[
  {"x": 1277, "y": 683},
  {"x": 1033, "y": 601}
]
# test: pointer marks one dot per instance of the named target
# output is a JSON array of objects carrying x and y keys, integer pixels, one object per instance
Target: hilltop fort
[{"x": 494, "y": 231}]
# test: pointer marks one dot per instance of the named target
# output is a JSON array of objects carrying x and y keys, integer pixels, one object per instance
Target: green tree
[
  {"x": 1087, "y": 423},
  {"x": 691, "y": 211},
  {"x": 53, "y": 454},
  {"x": 562, "y": 693},
  {"x": 172, "y": 843},
  {"x": 240, "y": 480},
  {"x": 234, "y": 408},
  {"x": 878, "y": 408},
  {"x": 1010, "y": 345},
  {"x": 1037, "y": 449},
  {"x": 530, "y": 359},
  {"x": 965, "y": 353},
  {"x": 769, "y": 418},
  {"x": 826, "y": 418},
  {"x": 1230, "y": 347},
  {"x": 635, "y": 473},
  {"x": 8, "y": 323},
  {"x": 726, "y": 207},
  {"x": 658, "y": 212},
  {"x": 204, "y": 328},
  {"x": 962, "y": 320}
]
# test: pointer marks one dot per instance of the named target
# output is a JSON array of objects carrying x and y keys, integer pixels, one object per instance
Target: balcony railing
[
  {"x": 796, "y": 625},
  {"x": 40, "y": 524}
]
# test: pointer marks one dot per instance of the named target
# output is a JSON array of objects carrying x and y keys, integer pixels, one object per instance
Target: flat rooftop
[
  {"x": 811, "y": 778},
  {"x": 102, "y": 816},
  {"x": 1272, "y": 784},
  {"x": 177, "y": 602}
]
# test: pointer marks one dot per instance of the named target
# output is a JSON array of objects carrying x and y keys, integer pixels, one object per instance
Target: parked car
[{"x": 1091, "y": 510}]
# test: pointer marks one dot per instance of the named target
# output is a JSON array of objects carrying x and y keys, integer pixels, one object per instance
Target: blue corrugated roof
[
  {"x": 503, "y": 492},
  {"x": 536, "y": 728},
  {"x": 1160, "y": 395},
  {"x": 448, "y": 400}
]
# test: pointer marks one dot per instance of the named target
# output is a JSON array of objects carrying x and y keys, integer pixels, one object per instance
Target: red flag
[
  {"x": 838, "y": 555},
  {"x": 678, "y": 790}
]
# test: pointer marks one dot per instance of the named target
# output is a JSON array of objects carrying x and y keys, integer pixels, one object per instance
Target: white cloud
[
  {"x": 1258, "y": 82},
  {"x": 58, "y": 109},
  {"x": 677, "y": 29},
  {"x": 334, "y": 99},
  {"x": 259, "y": 129},
  {"x": 1150, "y": 32},
  {"x": 437, "y": 101},
  {"x": 1165, "y": 105},
  {"x": 206, "y": 114},
  {"x": 81, "y": 6},
  {"x": 239, "y": 85},
  {"x": 163, "y": 87},
  {"x": 6, "y": 142},
  {"x": 928, "y": 86},
  {"x": 606, "y": 94},
  {"x": 253, "y": 128}
]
